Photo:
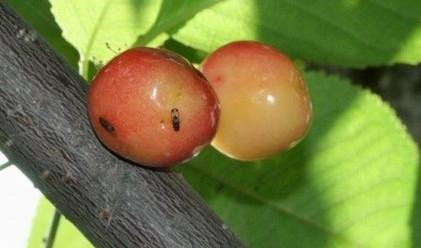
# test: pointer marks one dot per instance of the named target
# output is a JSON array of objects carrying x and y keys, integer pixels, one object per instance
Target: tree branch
[{"x": 44, "y": 130}]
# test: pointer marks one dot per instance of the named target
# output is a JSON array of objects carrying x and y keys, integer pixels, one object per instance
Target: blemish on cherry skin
[
  {"x": 218, "y": 79},
  {"x": 162, "y": 124},
  {"x": 106, "y": 125}
]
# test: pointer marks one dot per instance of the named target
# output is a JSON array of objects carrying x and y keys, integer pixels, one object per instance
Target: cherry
[
  {"x": 152, "y": 107},
  {"x": 265, "y": 103}
]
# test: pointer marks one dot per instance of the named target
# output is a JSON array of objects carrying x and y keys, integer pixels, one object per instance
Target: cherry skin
[
  {"x": 152, "y": 107},
  {"x": 265, "y": 103}
]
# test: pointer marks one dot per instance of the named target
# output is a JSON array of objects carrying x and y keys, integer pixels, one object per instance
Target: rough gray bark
[{"x": 45, "y": 131}]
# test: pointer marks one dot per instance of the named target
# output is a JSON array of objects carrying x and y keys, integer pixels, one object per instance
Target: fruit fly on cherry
[{"x": 175, "y": 119}]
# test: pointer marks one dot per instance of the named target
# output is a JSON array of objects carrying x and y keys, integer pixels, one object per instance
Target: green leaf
[
  {"x": 349, "y": 32},
  {"x": 68, "y": 236},
  {"x": 172, "y": 14},
  {"x": 37, "y": 14},
  {"x": 193, "y": 55},
  {"x": 350, "y": 183},
  {"x": 91, "y": 25}
]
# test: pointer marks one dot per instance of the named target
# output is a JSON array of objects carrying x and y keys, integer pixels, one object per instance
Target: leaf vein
[{"x": 278, "y": 209}]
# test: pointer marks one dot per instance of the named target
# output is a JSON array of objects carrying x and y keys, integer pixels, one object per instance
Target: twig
[
  {"x": 5, "y": 165},
  {"x": 49, "y": 240}
]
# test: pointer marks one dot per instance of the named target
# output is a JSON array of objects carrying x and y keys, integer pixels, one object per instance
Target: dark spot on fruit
[
  {"x": 175, "y": 119},
  {"x": 218, "y": 79},
  {"x": 106, "y": 125}
]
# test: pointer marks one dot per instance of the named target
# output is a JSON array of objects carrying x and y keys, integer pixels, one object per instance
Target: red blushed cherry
[
  {"x": 265, "y": 103},
  {"x": 152, "y": 107}
]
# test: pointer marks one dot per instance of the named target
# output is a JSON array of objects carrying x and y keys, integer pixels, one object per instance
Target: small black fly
[{"x": 175, "y": 119}]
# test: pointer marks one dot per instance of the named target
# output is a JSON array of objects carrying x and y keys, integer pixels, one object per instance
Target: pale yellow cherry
[{"x": 265, "y": 105}]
